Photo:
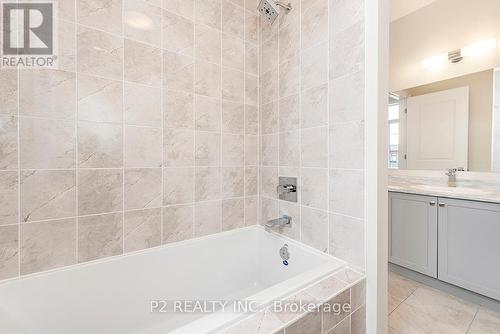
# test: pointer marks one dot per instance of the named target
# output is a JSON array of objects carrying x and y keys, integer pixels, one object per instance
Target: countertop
[{"x": 473, "y": 194}]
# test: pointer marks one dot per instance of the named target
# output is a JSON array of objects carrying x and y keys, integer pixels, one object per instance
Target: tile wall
[
  {"x": 312, "y": 123},
  {"x": 149, "y": 126}
]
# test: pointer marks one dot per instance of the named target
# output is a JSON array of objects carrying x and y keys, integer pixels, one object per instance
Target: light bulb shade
[{"x": 479, "y": 48}]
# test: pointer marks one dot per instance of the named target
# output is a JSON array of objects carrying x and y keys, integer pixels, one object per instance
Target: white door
[{"x": 437, "y": 130}]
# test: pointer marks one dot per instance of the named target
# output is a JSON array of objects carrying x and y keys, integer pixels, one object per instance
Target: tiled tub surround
[
  {"x": 114, "y": 295},
  {"x": 469, "y": 185},
  {"x": 312, "y": 123},
  {"x": 149, "y": 126}
]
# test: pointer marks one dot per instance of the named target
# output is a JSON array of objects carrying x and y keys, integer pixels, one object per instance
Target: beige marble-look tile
[
  {"x": 269, "y": 209},
  {"x": 270, "y": 150},
  {"x": 289, "y": 113},
  {"x": 101, "y": 14},
  {"x": 66, "y": 58},
  {"x": 358, "y": 321},
  {"x": 47, "y": 93},
  {"x": 348, "y": 275},
  {"x": 347, "y": 145},
  {"x": 142, "y": 105},
  {"x": 251, "y": 120},
  {"x": 233, "y": 52},
  {"x": 207, "y": 79},
  {"x": 270, "y": 118},
  {"x": 47, "y": 143},
  {"x": 289, "y": 149},
  {"x": 428, "y": 310},
  {"x": 314, "y": 147},
  {"x": 251, "y": 59},
  {"x": 8, "y": 92},
  {"x": 344, "y": 327},
  {"x": 350, "y": 201},
  {"x": 233, "y": 19},
  {"x": 348, "y": 94},
  {"x": 233, "y": 182},
  {"x": 142, "y": 229},
  {"x": 182, "y": 7},
  {"x": 400, "y": 288},
  {"x": 358, "y": 295},
  {"x": 208, "y": 12},
  {"x": 336, "y": 309},
  {"x": 178, "y": 185},
  {"x": 315, "y": 66},
  {"x": 314, "y": 184},
  {"x": 485, "y": 322},
  {"x": 99, "y": 53},
  {"x": 204, "y": 226},
  {"x": 289, "y": 41},
  {"x": 348, "y": 51},
  {"x": 100, "y": 236},
  {"x": 100, "y": 145},
  {"x": 314, "y": 225},
  {"x": 269, "y": 54},
  {"x": 233, "y": 117},
  {"x": 269, "y": 181},
  {"x": 142, "y": 188},
  {"x": 269, "y": 86},
  {"x": 251, "y": 27},
  {"x": 9, "y": 253},
  {"x": 178, "y": 110},
  {"x": 47, "y": 194},
  {"x": 207, "y": 149},
  {"x": 348, "y": 239},
  {"x": 142, "y": 63},
  {"x": 8, "y": 142},
  {"x": 233, "y": 214},
  {"x": 315, "y": 24},
  {"x": 251, "y": 89},
  {"x": 179, "y": 147},
  {"x": 233, "y": 85},
  {"x": 9, "y": 197},
  {"x": 314, "y": 107},
  {"x": 142, "y": 22},
  {"x": 251, "y": 210},
  {"x": 251, "y": 150},
  {"x": 177, "y": 223},
  {"x": 143, "y": 147},
  {"x": 178, "y": 72},
  {"x": 291, "y": 210},
  {"x": 100, "y": 99},
  {"x": 259, "y": 323},
  {"x": 207, "y": 113},
  {"x": 178, "y": 33},
  {"x": 233, "y": 150},
  {"x": 326, "y": 289},
  {"x": 208, "y": 44},
  {"x": 289, "y": 77},
  {"x": 251, "y": 181},
  {"x": 100, "y": 191},
  {"x": 345, "y": 13},
  {"x": 310, "y": 323},
  {"x": 47, "y": 245}
]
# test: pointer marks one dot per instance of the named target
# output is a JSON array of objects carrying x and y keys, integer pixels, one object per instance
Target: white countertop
[{"x": 473, "y": 194}]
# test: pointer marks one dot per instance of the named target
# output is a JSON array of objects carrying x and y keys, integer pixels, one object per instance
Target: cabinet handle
[
  {"x": 432, "y": 203},
  {"x": 442, "y": 205}
]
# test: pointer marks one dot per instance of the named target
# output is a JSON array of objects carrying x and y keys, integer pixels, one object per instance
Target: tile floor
[{"x": 415, "y": 308}]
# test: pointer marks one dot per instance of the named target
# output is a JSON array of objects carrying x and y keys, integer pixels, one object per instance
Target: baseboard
[{"x": 454, "y": 290}]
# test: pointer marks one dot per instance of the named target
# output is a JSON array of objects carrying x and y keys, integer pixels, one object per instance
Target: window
[{"x": 393, "y": 132}]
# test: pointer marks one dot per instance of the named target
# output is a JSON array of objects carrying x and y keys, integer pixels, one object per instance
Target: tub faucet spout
[{"x": 285, "y": 221}]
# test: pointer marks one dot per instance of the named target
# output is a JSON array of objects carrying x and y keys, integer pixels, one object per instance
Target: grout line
[
  {"x": 162, "y": 122},
  {"x": 329, "y": 236},
  {"x": 123, "y": 130},
  {"x": 18, "y": 218},
  {"x": 77, "y": 167},
  {"x": 221, "y": 151},
  {"x": 473, "y": 319},
  {"x": 193, "y": 131}
]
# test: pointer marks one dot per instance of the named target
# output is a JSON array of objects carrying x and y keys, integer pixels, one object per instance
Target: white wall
[{"x": 440, "y": 27}]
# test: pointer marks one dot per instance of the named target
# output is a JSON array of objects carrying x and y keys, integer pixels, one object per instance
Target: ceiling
[{"x": 400, "y": 8}]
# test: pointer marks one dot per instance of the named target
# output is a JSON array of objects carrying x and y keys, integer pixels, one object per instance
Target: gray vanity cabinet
[
  {"x": 469, "y": 245},
  {"x": 413, "y": 232}
]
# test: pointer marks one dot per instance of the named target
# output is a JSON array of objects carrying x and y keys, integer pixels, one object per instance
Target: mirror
[{"x": 444, "y": 109}]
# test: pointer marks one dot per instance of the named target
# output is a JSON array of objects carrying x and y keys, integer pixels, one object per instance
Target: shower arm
[{"x": 287, "y": 6}]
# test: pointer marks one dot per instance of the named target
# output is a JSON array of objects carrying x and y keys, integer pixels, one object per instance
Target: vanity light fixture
[{"x": 456, "y": 56}]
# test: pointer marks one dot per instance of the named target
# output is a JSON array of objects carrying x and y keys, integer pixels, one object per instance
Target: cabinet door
[
  {"x": 469, "y": 245},
  {"x": 413, "y": 232}
]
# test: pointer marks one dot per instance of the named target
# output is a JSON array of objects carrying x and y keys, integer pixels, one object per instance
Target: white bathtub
[{"x": 114, "y": 295}]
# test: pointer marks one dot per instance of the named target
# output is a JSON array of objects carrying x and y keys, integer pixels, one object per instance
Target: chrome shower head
[{"x": 270, "y": 9}]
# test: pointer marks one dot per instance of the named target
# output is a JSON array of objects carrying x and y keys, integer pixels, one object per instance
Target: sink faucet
[
  {"x": 452, "y": 177},
  {"x": 285, "y": 221}
]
